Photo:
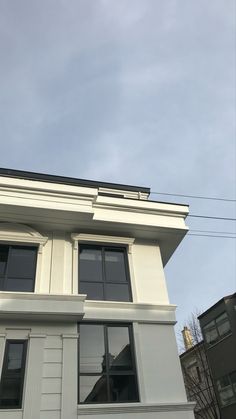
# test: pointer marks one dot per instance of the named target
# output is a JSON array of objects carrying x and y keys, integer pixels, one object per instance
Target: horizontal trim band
[{"x": 134, "y": 408}]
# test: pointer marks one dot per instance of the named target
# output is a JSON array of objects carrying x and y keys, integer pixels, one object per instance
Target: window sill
[
  {"x": 122, "y": 408},
  {"x": 9, "y": 409},
  {"x": 209, "y": 346}
]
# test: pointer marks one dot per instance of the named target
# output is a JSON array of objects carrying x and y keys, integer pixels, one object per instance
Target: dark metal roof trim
[
  {"x": 20, "y": 174},
  {"x": 223, "y": 299}
]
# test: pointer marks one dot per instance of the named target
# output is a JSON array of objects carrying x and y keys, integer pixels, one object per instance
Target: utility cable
[
  {"x": 195, "y": 196},
  {"x": 213, "y": 218}
]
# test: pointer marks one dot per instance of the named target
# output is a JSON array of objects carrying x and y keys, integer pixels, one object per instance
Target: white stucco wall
[{"x": 148, "y": 270}]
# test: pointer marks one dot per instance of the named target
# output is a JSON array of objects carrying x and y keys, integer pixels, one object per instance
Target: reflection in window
[
  {"x": 107, "y": 369},
  {"x": 13, "y": 371},
  {"x": 17, "y": 268},
  {"x": 103, "y": 273},
  {"x": 226, "y": 387},
  {"x": 217, "y": 329}
]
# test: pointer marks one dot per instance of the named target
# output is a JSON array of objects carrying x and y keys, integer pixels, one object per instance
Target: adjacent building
[
  {"x": 197, "y": 378},
  {"x": 218, "y": 325},
  {"x": 86, "y": 326}
]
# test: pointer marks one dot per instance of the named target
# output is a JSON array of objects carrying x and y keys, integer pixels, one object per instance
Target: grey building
[
  {"x": 218, "y": 325},
  {"x": 197, "y": 378}
]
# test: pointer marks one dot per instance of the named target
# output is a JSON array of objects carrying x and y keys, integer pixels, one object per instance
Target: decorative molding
[
  {"x": 95, "y": 238},
  {"x": 37, "y": 336},
  {"x": 49, "y": 307},
  {"x": 70, "y": 336},
  {"x": 132, "y": 312},
  {"x": 21, "y": 233},
  {"x": 130, "y": 305},
  {"x": 134, "y": 408}
]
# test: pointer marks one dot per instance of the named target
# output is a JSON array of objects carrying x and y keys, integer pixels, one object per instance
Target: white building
[{"x": 65, "y": 355}]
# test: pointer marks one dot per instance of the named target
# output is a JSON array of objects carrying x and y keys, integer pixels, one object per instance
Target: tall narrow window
[
  {"x": 103, "y": 273},
  {"x": 17, "y": 268},
  {"x": 107, "y": 371},
  {"x": 13, "y": 371}
]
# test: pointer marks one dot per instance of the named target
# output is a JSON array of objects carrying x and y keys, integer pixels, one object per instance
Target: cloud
[{"x": 126, "y": 91}]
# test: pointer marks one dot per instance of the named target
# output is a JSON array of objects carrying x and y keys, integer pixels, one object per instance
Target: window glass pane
[
  {"x": 94, "y": 290},
  {"x": 117, "y": 292},
  {"x": 3, "y": 259},
  {"x": 92, "y": 350},
  {"x": 119, "y": 348},
  {"x": 223, "y": 324},
  {"x": 123, "y": 388},
  {"x": 90, "y": 264},
  {"x": 93, "y": 389},
  {"x": 227, "y": 396},
  {"x": 22, "y": 262},
  {"x": 210, "y": 332},
  {"x": 115, "y": 266},
  {"x": 12, "y": 374},
  {"x": 15, "y": 353},
  {"x": 10, "y": 394},
  {"x": 18, "y": 284}
]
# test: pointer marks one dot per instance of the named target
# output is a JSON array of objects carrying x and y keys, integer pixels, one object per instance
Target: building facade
[
  {"x": 218, "y": 325},
  {"x": 86, "y": 326}
]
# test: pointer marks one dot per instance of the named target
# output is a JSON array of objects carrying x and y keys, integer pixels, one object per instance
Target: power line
[
  {"x": 195, "y": 196},
  {"x": 213, "y": 231},
  {"x": 213, "y": 218},
  {"x": 211, "y": 235}
]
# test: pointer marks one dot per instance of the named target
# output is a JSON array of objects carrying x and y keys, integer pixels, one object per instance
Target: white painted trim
[
  {"x": 124, "y": 311},
  {"x": 134, "y": 408},
  {"x": 139, "y": 366},
  {"x": 132, "y": 278},
  {"x": 69, "y": 376},
  {"x": 95, "y": 238},
  {"x": 33, "y": 376},
  {"x": 51, "y": 307},
  {"x": 129, "y": 305},
  {"x": 2, "y": 348},
  {"x": 20, "y": 233}
]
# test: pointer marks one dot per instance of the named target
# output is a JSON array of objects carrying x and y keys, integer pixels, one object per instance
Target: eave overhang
[{"x": 72, "y": 208}]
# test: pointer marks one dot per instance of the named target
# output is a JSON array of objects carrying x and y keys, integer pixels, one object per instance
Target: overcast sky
[{"x": 130, "y": 91}]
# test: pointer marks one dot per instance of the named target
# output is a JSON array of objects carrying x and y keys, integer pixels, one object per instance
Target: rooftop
[{"x": 43, "y": 177}]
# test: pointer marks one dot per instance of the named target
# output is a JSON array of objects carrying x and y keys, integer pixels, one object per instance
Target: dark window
[
  {"x": 13, "y": 371},
  {"x": 103, "y": 273},
  {"x": 106, "y": 364},
  {"x": 217, "y": 329},
  {"x": 226, "y": 387},
  {"x": 17, "y": 268}
]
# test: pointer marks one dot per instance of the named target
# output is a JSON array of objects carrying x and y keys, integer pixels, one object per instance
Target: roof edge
[
  {"x": 227, "y": 297},
  {"x": 43, "y": 177}
]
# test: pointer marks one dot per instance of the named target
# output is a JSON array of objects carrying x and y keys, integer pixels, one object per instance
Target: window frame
[
  {"x": 221, "y": 390},
  {"x": 103, "y": 248},
  {"x": 21, "y": 375},
  {"x": 132, "y": 372},
  {"x": 98, "y": 239},
  {"x": 23, "y": 235},
  {"x": 4, "y": 277},
  {"x": 219, "y": 335}
]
